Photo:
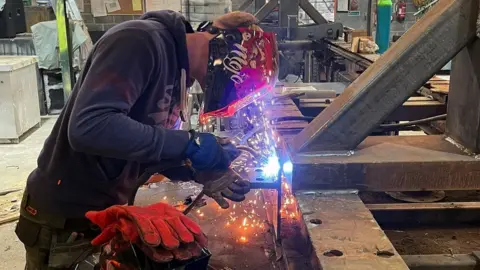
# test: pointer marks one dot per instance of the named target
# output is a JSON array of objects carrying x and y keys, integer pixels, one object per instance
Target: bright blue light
[
  {"x": 287, "y": 167},
  {"x": 272, "y": 167}
]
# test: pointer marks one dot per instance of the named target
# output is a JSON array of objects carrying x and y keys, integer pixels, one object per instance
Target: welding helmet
[{"x": 242, "y": 66}]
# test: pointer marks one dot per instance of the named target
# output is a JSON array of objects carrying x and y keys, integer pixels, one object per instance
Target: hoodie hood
[{"x": 178, "y": 27}]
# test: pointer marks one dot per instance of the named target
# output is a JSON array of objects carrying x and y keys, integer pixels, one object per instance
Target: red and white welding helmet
[{"x": 242, "y": 66}]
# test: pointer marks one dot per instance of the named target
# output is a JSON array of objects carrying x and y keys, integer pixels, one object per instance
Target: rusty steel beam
[
  {"x": 435, "y": 39},
  {"x": 463, "y": 121},
  {"x": 390, "y": 163},
  {"x": 343, "y": 234}
]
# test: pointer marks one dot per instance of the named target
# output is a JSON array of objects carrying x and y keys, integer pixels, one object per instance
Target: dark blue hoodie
[{"x": 117, "y": 119}]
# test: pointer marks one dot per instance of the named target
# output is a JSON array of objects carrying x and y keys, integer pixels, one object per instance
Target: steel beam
[
  {"x": 245, "y": 5},
  {"x": 343, "y": 233},
  {"x": 463, "y": 122},
  {"x": 435, "y": 39},
  {"x": 390, "y": 163},
  {"x": 266, "y": 9},
  {"x": 312, "y": 12},
  {"x": 422, "y": 206},
  {"x": 259, "y": 4},
  {"x": 410, "y": 110}
]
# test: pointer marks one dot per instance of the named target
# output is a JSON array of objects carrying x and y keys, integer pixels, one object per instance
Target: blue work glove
[{"x": 207, "y": 152}]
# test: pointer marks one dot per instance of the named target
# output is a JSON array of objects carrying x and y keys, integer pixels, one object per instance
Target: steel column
[
  {"x": 435, "y": 39},
  {"x": 288, "y": 9},
  {"x": 463, "y": 121}
]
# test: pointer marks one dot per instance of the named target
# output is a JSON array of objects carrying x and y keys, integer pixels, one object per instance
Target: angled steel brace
[
  {"x": 263, "y": 12},
  {"x": 312, "y": 12},
  {"x": 245, "y": 5},
  {"x": 435, "y": 39}
]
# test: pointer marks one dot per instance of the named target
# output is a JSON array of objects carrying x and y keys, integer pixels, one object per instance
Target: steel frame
[
  {"x": 288, "y": 28},
  {"x": 334, "y": 151},
  {"x": 387, "y": 83}
]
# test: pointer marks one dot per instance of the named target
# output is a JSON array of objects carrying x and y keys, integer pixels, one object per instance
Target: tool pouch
[
  {"x": 66, "y": 255},
  {"x": 27, "y": 232}
]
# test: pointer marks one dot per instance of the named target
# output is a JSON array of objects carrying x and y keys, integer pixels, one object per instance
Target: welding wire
[{"x": 192, "y": 205}]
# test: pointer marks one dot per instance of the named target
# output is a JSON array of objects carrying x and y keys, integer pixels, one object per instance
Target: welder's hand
[
  {"x": 220, "y": 185},
  {"x": 157, "y": 225},
  {"x": 207, "y": 152}
]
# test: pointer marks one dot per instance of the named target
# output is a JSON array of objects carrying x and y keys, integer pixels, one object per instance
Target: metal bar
[
  {"x": 402, "y": 70},
  {"x": 262, "y": 13},
  {"x": 301, "y": 45},
  {"x": 259, "y": 4},
  {"x": 409, "y": 111},
  {"x": 311, "y": 32},
  {"x": 307, "y": 68},
  {"x": 343, "y": 232},
  {"x": 441, "y": 262},
  {"x": 463, "y": 121},
  {"x": 245, "y": 5},
  {"x": 312, "y": 12},
  {"x": 422, "y": 206},
  {"x": 286, "y": 9},
  {"x": 353, "y": 57},
  {"x": 390, "y": 163}
]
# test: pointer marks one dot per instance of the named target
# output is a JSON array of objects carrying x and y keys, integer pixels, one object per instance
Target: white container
[{"x": 19, "y": 107}]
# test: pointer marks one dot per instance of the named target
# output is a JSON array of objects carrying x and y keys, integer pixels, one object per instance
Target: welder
[{"x": 123, "y": 116}]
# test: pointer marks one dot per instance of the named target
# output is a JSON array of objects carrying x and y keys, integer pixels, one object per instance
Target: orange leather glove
[{"x": 160, "y": 230}]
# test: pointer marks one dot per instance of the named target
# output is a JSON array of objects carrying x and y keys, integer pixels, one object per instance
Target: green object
[
  {"x": 384, "y": 3},
  {"x": 64, "y": 47},
  {"x": 384, "y": 16}
]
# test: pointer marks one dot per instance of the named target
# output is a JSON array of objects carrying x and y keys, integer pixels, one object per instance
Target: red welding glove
[{"x": 157, "y": 225}]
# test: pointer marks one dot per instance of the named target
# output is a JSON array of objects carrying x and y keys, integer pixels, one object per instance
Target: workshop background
[{"x": 37, "y": 73}]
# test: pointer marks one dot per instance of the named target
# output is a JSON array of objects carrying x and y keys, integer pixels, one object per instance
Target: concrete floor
[{"x": 16, "y": 163}]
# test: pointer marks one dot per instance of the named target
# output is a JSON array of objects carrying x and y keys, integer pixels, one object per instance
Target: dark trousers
[{"x": 52, "y": 242}]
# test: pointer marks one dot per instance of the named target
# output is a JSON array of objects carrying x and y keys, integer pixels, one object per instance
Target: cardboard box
[{"x": 351, "y": 34}]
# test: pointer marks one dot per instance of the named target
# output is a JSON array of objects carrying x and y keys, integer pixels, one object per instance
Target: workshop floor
[{"x": 239, "y": 238}]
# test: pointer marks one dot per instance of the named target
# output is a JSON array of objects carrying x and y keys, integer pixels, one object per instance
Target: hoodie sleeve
[{"x": 120, "y": 69}]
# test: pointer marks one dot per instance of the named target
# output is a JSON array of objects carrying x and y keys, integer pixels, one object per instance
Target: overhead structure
[
  {"x": 333, "y": 157},
  {"x": 288, "y": 27},
  {"x": 392, "y": 79},
  {"x": 297, "y": 42}
]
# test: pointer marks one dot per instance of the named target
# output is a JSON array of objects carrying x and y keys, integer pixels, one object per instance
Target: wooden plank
[{"x": 344, "y": 234}]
